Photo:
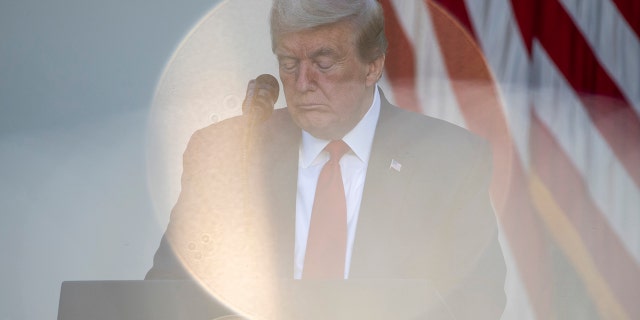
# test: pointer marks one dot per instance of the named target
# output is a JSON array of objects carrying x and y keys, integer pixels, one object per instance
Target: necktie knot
[{"x": 336, "y": 149}]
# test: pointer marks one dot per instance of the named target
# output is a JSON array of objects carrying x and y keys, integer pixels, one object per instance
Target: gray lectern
[{"x": 159, "y": 300}]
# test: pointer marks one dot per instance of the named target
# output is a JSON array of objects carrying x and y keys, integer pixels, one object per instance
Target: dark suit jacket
[{"x": 431, "y": 219}]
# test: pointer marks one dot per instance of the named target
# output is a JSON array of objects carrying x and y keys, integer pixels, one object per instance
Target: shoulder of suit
[
  {"x": 278, "y": 128},
  {"x": 224, "y": 130},
  {"x": 420, "y": 129},
  {"x": 235, "y": 124}
]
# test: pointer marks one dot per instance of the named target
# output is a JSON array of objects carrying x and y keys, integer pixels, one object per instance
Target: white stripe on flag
[
  {"x": 499, "y": 37},
  {"x": 433, "y": 87}
]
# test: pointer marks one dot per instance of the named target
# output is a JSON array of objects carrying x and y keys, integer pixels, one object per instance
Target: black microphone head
[{"x": 265, "y": 94}]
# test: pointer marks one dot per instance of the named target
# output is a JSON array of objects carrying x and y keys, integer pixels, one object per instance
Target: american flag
[{"x": 554, "y": 85}]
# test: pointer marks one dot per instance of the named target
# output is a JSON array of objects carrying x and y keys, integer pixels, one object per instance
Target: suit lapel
[{"x": 380, "y": 215}]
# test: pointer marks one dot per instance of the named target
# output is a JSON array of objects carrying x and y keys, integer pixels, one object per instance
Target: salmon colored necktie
[{"x": 327, "y": 242}]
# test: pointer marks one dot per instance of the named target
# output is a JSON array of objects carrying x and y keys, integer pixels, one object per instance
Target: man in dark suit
[{"x": 416, "y": 190}]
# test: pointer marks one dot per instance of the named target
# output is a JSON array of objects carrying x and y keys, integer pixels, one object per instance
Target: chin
[
  {"x": 325, "y": 133},
  {"x": 319, "y": 125},
  {"x": 318, "y": 132}
]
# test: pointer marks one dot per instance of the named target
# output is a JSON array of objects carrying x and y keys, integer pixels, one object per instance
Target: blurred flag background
[{"x": 554, "y": 85}]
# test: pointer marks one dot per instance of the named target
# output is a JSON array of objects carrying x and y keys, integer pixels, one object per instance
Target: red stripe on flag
[
  {"x": 570, "y": 192},
  {"x": 527, "y": 14},
  {"x": 400, "y": 63},
  {"x": 630, "y": 10},
  {"x": 609, "y": 110},
  {"x": 458, "y": 9},
  {"x": 479, "y": 103}
]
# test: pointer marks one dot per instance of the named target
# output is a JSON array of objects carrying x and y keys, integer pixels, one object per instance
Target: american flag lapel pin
[{"x": 395, "y": 165}]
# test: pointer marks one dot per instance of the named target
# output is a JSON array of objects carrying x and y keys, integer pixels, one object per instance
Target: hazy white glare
[{"x": 203, "y": 83}]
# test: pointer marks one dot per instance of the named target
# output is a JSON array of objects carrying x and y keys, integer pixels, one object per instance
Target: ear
[{"x": 375, "y": 70}]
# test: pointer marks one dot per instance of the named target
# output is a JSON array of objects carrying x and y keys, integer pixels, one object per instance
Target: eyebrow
[
  {"x": 324, "y": 51},
  {"x": 321, "y": 52}
]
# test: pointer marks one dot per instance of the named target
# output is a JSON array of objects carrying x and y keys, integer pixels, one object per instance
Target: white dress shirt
[{"x": 354, "y": 168}]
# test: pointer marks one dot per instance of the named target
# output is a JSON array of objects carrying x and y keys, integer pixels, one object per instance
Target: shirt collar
[{"x": 359, "y": 139}]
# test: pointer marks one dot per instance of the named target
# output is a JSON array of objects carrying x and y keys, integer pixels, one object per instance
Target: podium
[
  {"x": 169, "y": 299},
  {"x": 158, "y": 299}
]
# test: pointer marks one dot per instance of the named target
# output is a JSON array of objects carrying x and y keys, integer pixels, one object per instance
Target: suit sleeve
[
  {"x": 167, "y": 265},
  {"x": 479, "y": 293},
  {"x": 200, "y": 240}
]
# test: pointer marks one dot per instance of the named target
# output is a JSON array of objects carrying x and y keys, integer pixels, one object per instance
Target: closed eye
[
  {"x": 288, "y": 65},
  {"x": 325, "y": 65}
]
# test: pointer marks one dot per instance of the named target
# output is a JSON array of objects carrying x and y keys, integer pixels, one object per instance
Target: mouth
[{"x": 309, "y": 106}]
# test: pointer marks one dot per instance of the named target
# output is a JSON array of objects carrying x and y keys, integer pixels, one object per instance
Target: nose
[{"x": 305, "y": 77}]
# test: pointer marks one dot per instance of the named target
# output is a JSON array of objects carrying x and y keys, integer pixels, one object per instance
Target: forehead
[{"x": 337, "y": 37}]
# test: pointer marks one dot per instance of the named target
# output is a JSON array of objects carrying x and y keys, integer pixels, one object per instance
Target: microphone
[{"x": 262, "y": 94}]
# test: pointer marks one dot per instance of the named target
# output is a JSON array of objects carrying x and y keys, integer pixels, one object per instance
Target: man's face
[{"x": 327, "y": 87}]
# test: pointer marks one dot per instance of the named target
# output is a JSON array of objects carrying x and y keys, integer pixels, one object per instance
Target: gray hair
[{"x": 366, "y": 16}]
